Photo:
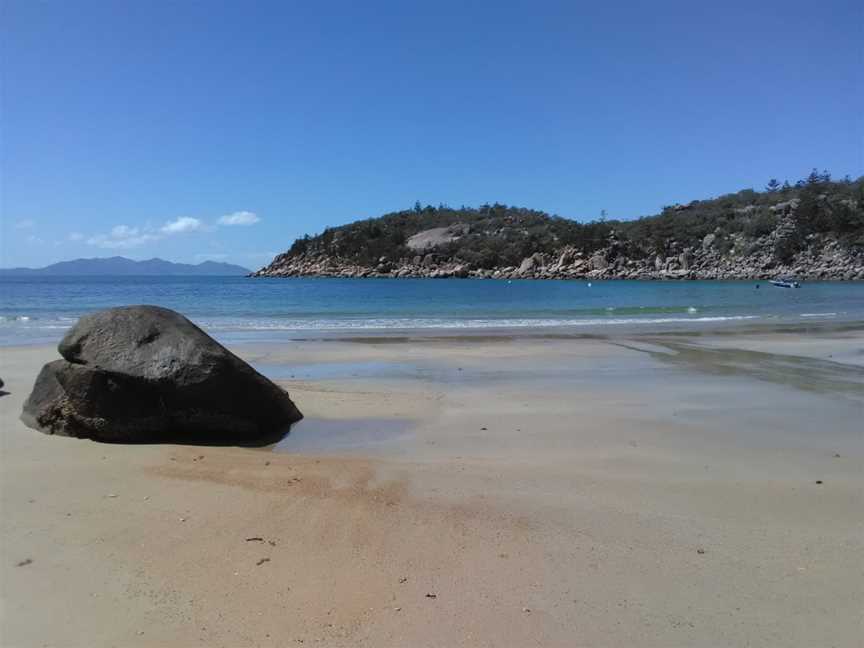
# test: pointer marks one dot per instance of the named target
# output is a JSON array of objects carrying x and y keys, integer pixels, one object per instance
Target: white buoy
[{"x": 589, "y": 284}]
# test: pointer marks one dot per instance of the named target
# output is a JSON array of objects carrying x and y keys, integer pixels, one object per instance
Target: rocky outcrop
[
  {"x": 718, "y": 255},
  {"x": 820, "y": 260},
  {"x": 145, "y": 373},
  {"x": 437, "y": 236}
]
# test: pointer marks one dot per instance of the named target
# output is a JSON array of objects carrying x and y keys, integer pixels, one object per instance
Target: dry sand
[{"x": 665, "y": 491}]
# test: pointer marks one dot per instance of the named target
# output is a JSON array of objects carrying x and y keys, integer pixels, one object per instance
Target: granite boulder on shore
[{"x": 145, "y": 374}]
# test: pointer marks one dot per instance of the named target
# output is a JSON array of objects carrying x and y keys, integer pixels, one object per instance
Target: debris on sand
[
  {"x": 700, "y": 550},
  {"x": 255, "y": 539},
  {"x": 819, "y": 482},
  {"x": 24, "y": 562},
  {"x": 404, "y": 579},
  {"x": 262, "y": 561},
  {"x": 432, "y": 596}
]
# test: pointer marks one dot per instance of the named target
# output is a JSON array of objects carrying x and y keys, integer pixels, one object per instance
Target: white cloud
[
  {"x": 182, "y": 225},
  {"x": 124, "y": 232},
  {"x": 25, "y": 224},
  {"x": 121, "y": 242},
  {"x": 76, "y": 236},
  {"x": 240, "y": 218},
  {"x": 210, "y": 256},
  {"x": 123, "y": 237}
]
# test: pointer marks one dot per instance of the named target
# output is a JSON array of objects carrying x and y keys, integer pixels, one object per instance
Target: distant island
[
  {"x": 813, "y": 229},
  {"x": 121, "y": 266}
]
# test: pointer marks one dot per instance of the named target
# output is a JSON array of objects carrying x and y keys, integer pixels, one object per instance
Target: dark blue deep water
[{"x": 37, "y": 310}]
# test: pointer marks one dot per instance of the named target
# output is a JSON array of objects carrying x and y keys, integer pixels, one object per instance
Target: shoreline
[
  {"x": 265, "y": 337},
  {"x": 607, "y": 330},
  {"x": 657, "y": 277}
]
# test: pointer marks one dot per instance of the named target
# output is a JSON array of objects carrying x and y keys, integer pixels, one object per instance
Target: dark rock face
[{"x": 145, "y": 373}]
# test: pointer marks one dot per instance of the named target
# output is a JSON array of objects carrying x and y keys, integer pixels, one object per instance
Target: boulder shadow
[
  {"x": 210, "y": 438},
  {"x": 219, "y": 440}
]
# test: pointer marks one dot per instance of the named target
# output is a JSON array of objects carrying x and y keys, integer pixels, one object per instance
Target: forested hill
[{"x": 815, "y": 223}]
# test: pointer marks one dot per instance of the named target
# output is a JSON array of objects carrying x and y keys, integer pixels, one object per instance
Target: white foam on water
[{"x": 445, "y": 323}]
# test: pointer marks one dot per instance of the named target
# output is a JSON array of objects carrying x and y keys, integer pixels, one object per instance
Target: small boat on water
[{"x": 785, "y": 283}]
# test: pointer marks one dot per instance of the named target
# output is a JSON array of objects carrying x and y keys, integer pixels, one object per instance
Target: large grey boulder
[
  {"x": 145, "y": 373},
  {"x": 530, "y": 264},
  {"x": 598, "y": 262}
]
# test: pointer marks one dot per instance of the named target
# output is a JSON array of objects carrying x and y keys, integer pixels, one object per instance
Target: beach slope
[{"x": 451, "y": 491}]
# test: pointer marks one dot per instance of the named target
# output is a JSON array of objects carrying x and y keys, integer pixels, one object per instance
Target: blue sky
[{"x": 223, "y": 130}]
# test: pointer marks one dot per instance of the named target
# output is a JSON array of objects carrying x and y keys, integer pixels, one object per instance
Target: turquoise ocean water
[{"x": 235, "y": 309}]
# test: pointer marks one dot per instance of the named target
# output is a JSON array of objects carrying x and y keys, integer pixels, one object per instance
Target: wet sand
[{"x": 665, "y": 490}]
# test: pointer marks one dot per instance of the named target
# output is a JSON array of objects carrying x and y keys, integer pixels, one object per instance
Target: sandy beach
[{"x": 499, "y": 490}]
